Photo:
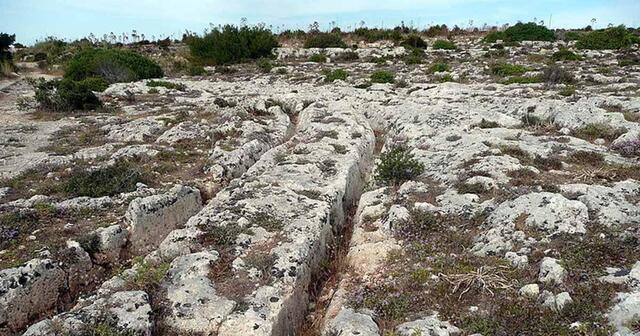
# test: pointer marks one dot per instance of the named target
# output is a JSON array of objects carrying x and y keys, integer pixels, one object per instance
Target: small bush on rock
[
  {"x": 325, "y": 40},
  {"x": 166, "y": 84},
  {"x": 595, "y": 131},
  {"x": 444, "y": 44},
  {"x": 556, "y": 75},
  {"x": 397, "y": 165},
  {"x": 337, "y": 74},
  {"x": 414, "y": 41},
  {"x": 439, "y": 67},
  {"x": 506, "y": 69},
  {"x": 382, "y": 76},
  {"x": 565, "y": 55},
  {"x": 112, "y": 65},
  {"x": 265, "y": 65},
  {"x": 318, "y": 58}
]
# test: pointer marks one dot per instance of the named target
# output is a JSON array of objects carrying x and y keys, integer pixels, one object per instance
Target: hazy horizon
[{"x": 33, "y": 20}]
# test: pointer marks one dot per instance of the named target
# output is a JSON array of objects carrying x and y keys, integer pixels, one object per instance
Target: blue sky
[{"x": 70, "y": 19}]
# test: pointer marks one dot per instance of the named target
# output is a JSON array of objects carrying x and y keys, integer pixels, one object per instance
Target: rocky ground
[{"x": 244, "y": 203}]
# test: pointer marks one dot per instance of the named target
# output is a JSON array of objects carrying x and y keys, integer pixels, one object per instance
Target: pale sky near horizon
[{"x": 32, "y": 20}]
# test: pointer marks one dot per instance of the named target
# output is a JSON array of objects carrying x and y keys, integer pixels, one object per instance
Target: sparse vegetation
[
  {"x": 506, "y": 69},
  {"x": 325, "y": 40},
  {"x": 105, "y": 181},
  {"x": 167, "y": 84},
  {"x": 595, "y": 131},
  {"x": 439, "y": 67}
]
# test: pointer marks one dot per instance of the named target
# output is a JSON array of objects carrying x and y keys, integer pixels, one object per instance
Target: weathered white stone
[
  {"x": 625, "y": 310},
  {"x": 28, "y": 291},
  {"x": 349, "y": 322},
  {"x": 530, "y": 290},
  {"x": 551, "y": 271},
  {"x": 150, "y": 219},
  {"x": 428, "y": 326}
]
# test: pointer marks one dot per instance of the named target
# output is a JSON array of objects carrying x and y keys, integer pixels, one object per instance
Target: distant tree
[{"x": 6, "y": 41}]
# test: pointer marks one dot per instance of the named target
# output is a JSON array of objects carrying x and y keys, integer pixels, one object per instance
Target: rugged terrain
[{"x": 255, "y": 211}]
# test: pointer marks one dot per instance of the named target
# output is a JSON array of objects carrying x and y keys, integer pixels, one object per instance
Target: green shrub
[
  {"x": 231, "y": 44},
  {"x": 565, "y": 55},
  {"x": 325, "y": 40},
  {"x": 112, "y": 65},
  {"x": 336, "y": 74},
  {"x": 487, "y": 124},
  {"x": 318, "y": 58},
  {"x": 521, "y": 32},
  {"x": 439, "y": 67},
  {"x": 397, "y": 165},
  {"x": 444, "y": 44},
  {"x": 382, "y": 76},
  {"x": 415, "y": 56},
  {"x": 567, "y": 91},
  {"x": 506, "y": 69},
  {"x": 264, "y": 65},
  {"x": 610, "y": 38},
  {"x": 6, "y": 41},
  {"x": 65, "y": 95},
  {"x": 97, "y": 84},
  {"x": 105, "y": 181},
  {"x": 166, "y": 84},
  {"x": 528, "y": 32},
  {"x": 414, "y": 41}
]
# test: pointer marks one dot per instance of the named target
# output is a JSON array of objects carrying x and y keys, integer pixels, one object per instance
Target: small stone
[{"x": 530, "y": 290}]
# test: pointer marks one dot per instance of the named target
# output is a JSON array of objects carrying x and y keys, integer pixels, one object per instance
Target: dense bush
[
  {"x": 397, "y": 165},
  {"x": 66, "y": 95},
  {"x": 231, "y": 44},
  {"x": 565, "y": 55},
  {"x": 325, "y": 40},
  {"x": 444, "y": 44},
  {"x": 414, "y": 41},
  {"x": 382, "y": 76},
  {"x": 610, "y": 38},
  {"x": 112, "y": 65},
  {"x": 522, "y": 32},
  {"x": 106, "y": 181}
]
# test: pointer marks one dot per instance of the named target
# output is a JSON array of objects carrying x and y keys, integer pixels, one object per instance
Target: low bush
[
  {"x": 337, "y": 74},
  {"x": 66, "y": 95},
  {"x": 166, "y": 84},
  {"x": 397, "y": 165},
  {"x": 196, "y": 70},
  {"x": 414, "y": 41},
  {"x": 318, "y": 58},
  {"x": 415, "y": 56},
  {"x": 554, "y": 74},
  {"x": 506, "y": 69},
  {"x": 105, "y": 181},
  {"x": 265, "y": 65},
  {"x": 628, "y": 148},
  {"x": 565, "y": 55},
  {"x": 595, "y": 131},
  {"x": 444, "y": 44},
  {"x": 347, "y": 56},
  {"x": 231, "y": 44},
  {"x": 610, "y": 38},
  {"x": 112, "y": 65},
  {"x": 439, "y": 67},
  {"x": 325, "y": 40},
  {"x": 382, "y": 76},
  {"x": 522, "y": 80}
]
